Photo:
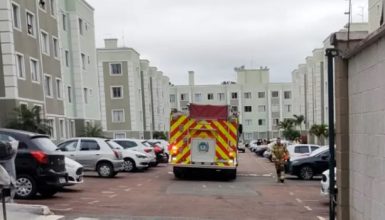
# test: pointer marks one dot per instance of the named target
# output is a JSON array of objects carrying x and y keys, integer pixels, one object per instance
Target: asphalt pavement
[{"x": 155, "y": 194}]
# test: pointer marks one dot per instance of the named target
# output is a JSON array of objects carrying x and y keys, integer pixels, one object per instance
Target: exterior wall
[
  {"x": 247, "y": 95},
  {"x": 366, "y": 115},
  {"x": 376, "y": 9}
]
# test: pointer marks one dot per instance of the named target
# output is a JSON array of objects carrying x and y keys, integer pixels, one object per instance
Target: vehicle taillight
[
  {"x": 157, "y": 149},
  {"x": 116, "y": 154},
  {"x": 40, "y": 157},
  {"x": 147, "y": 150}
]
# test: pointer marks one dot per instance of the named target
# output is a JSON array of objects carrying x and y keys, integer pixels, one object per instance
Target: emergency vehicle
[{"x": 204, "y": 137}]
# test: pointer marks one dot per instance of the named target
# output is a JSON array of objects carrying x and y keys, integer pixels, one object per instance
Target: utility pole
[{"x": 331, "y": 53}]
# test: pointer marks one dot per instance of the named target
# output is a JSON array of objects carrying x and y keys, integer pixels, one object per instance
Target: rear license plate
[{"x": 62, "y": 180}]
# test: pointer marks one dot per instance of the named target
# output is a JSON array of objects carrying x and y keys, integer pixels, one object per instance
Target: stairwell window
[
  {"x": 55, "y": 44},
  {"x": 117, "y": 92},
  {"x": 118, "y": 116},
  {"x": 221, "y": 96},
  {"x": 81, "y": 26},
  {"x": 247, "y": 95},
  {"x": 261, "y": 108},
  {"x": 248, "y": 109},
  {"x": 48, "y": 85},
  {"x": 16, "y": 16},
  {"x": 34, "y": 66},
  {"x": 69, "y": 94},
  {"x": 44, "y": 43},
  {"x": 53, "y": 7},
  {"x": 31, "y": 24},
  {"x": 67, "y": 58},
  {"x": 85, "y": 93},
  {"x": 287, "y": 94},
  {"x": 83, "y": 57},
  {"x": 115, "y": 69},
  {"x": 261, "y": 95},
  {"x": 234, "y": 95},
  {"x": 59, "y": 88},
  {"x": 20, "y": 65},
  {"x": 275, "y": 94},
  {"x": 210, "y": 96}
]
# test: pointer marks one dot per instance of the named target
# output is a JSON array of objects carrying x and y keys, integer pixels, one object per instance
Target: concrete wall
[{"x": 367, "y": 132}]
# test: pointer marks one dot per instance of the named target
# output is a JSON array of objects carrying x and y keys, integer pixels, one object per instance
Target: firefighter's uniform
[{"x": 280, "y": 155}]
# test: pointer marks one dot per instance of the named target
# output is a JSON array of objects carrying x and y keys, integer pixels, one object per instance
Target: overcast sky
[{"x": 212, "y": 37}]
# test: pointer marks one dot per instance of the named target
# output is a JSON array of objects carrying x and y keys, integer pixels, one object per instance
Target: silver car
[{"x": 95, "y": 154}]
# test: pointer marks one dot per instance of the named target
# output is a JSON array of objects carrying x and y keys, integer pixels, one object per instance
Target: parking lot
[{"x": 156, "y": 194}]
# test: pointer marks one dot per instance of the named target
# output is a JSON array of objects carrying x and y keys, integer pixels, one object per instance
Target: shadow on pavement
[{"x": 205, "y": 175}]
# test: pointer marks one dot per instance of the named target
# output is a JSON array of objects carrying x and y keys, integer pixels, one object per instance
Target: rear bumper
[
  {"x": 52, "y": 178},
  {"x": 118, "y": 165},
  {"x": 213, "y": 167}
]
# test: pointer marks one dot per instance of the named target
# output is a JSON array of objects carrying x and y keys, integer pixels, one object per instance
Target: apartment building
[
  {"x": 30, "y": 61},
  {"x": 260, "y": 103},
  {"x": 80, "y": 81},
  {"x": 376, "y": 14},
  {"x": 133, "y": 94}
]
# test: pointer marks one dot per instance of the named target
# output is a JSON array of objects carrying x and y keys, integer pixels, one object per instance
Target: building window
[
  {"x": 42, "y": 4},
  {"x": 248, "y": 109},
  {"x": 20, "y": 66},
  {"x": 31, "y": 24},
  {"x": 53, "y": 7},
  {"x": 276, "y": 121},
  {"x": 59, "y": 88},
  {"x": 34, "y": 70},
  {"x": 172, "y": 98},
  {"x": 287, "y": 94},
  {"x": 55, "y": 44},
  {"x": 198, "y": 97},
  {"x": 261, "y": 108},
  {"x": 274, "y": 94},
  {"x": 16, "y": 16},
  {"x": 261, "y": 95},
  {"x": 80, "y": 26},
  {"x": 210, "y": 96},
  {"x": 117, "y": 92},
  {"x": 261, "y": 122},
  {"x": 248, "y": 122},
  {"x": 69, "y": 94},
  {"x": 52, "y": 128},
  {"x": 221, "y": 96},
  {"x": 288, "y": 108},
  {"x": 275, "y": 108},
  {"x": 44, "y": 43},
  {"x": 73, "y": 128},
  {"x": 116, "y": 69},
  {"x": 118, "y": 116},
  {"x": 85, "y": 93},
  {"x": 83, "y": 61},
  {"x": 234, "y": 95},
  {"x": 183, "y": 97},
  {"x": 67, "y": 58},
  {"x": 247, "y": 95},
  {"x": 64, "y": 21},
  {"x": 119, "y": 135},
  {"x": 62, "y": 128},
  {"x": 234, "y": 108},
  {"x": 248, "y": 136},
  {"x": 48, "y": 85}
]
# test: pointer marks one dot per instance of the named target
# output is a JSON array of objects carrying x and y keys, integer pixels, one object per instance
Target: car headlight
[{"x": 140, "y": 156}]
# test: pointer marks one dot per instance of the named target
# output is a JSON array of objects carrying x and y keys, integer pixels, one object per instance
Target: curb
[{"x": 32, "y": 209}]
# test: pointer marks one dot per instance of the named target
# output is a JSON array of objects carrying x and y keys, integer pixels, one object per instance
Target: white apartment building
[
  {"x": 376, "y": 12},
  {"x": 133, "y": 95},
  {"x": 261, "y": 104},
  {"x": 78, "y": 53}
]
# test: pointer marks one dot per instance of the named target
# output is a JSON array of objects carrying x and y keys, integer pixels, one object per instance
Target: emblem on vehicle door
[{"x": 203, "y": 147}]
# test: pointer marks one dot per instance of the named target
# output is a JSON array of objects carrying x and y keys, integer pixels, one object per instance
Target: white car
[
  {"x": 161, "y": 143},
  {"x": 133, "y": 160},
  {"x": 74, "y": 170},
  {"x": 139, "y": 146},
  {"x": 299, "y": 150},
  {"x": 325, "y": 182}
]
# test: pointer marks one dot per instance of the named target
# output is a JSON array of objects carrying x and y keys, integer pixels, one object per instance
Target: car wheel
[
  {"x": 48, "y": 192},
  {"x": 26, "y": 187},
  {"x": 129, "y": 165},
  {"x": 105, "y": 169},
  {"x": 306, "y": 173}
]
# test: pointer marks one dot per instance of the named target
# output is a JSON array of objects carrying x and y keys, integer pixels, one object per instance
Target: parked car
[
  {"x": 161, "y": 143},
  {"x": 252, "y": 145},
  {"x": 133, "y": 160},
  {"x": 325, "y": 189},
  {"x": 308, "y": 166},
  {"x": 95, "y": 154},
  {"x": 298, "y": 150},
  {"x": 161, "y": 156},
  {"x": 40, "y": 166},
  {"x": 74, "y": 170},
  {"x": 241, "y": 147},
  {"x": 260, "y": 149},
  {"x": 139, "y": 146}
]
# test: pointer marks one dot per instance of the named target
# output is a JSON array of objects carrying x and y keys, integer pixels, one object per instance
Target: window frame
[
  {"x": 236, "y": 95},
  {"x": 83, "y": 60},
  {"x": 80, "y": 25},
  {"x": 263, "y": 122},
  {"x": 53, "y": 8},
  {"x": 64, "y": 21},
  {"x": 85, "y": 95},
  {"x": 264, "y": 108},
  {"x": 247, "y": 95},
  {"x": 53, "y": 135},
  {"x": 17, "y": 55},
  {"x": 112, "y": 92},
  {"x": 56, "y": 53},
  {"x": 40, "y": 7},
  {"x": 18, "y": 16},
  {"x": 172, "y": 100},
  {"x": 37, "y": 72},
  {"x": 264, "y": 95},
  {"x": 212, "y": 96},
  {"x": 112, "y": 116},
  {"x": 119, "y": 133},
  {"x": 44, "y": 42},
  {"x": 221, "y": 96},
  {"x": 67, "y": 58},
  {"x": 198, "y": 97},
  {"x": 248, "y": 108},
  {"x": 110, "y": 68},
  {"x": 286, "y": 92},
  {"x": 59, "y": 88},
  {"x": 69, "y": 94},
  {"x": 50, "y": 95},
  {"x": 273, "y": 92},
  {"x": 62, "y": 130},
  {"x": 33, "y": 35}
]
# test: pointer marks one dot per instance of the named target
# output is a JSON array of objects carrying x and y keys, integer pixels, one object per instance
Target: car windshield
[
  {"x": 113, "y": 145},
  {"x": 146, "y": 143},
  {"x": 318, "y": 151},
  {"x": 44, "y": 144}
]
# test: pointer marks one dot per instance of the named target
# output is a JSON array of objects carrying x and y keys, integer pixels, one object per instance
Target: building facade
[
  {"x": 30, "y": 72},
  {"x": 132, "y": 93},
  {"x": 261, "y": 104}
]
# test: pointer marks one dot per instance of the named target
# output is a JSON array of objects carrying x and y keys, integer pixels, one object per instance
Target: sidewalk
[{"x": 32, "y": 212}]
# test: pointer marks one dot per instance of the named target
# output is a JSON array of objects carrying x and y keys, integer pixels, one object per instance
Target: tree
[
  {"x": 93, "y": 131},
  {"x": 29, "y": 120},
  {"x": 160, "y": 135},
  {"x": 291, "y": 134},
  {"x": 298, "y": 120},
  {"x": 286, "y": 124},
  {"x": 320, "y": 131}
]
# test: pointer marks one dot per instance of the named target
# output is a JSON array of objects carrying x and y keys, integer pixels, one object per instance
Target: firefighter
[{"x": 280, "y": 155}]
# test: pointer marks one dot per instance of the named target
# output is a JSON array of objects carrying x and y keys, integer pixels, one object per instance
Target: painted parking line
[
  {"x": 308, "y": 208},
  {"x": 86, "y": 198},
  {"x": 204, "y": 186},
  {"x": 82, "y": 218},
  {"x": 128, "y": 189},
  {"x": 321, "y": 218},
  {"x": 298, "y": 200},
  {"x": 107, "y": 192},
  {"x": 49, "y": 217},
  {"x": 291, "y": 193},
  {"x": 93, "y": 202},
  {"x": 112, "y": 196},
  {"x": 139, "y": 185}
]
